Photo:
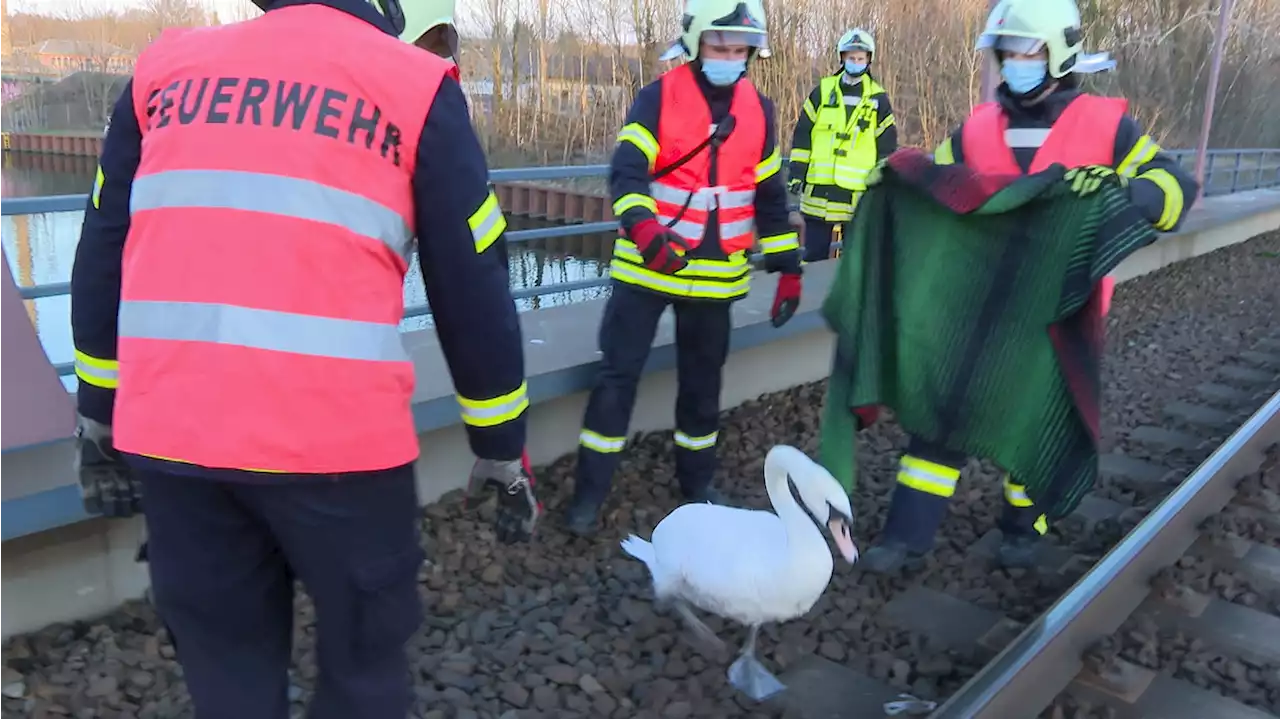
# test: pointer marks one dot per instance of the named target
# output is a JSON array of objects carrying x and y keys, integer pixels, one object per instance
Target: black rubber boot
[
  {"x": 889, "y": 557},
  {"x": 582, "y": 518},
  {"x": 1018, "y": 551}
]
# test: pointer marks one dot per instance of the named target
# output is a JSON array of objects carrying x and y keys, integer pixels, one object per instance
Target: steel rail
[{"x": 1032, "y": 670}]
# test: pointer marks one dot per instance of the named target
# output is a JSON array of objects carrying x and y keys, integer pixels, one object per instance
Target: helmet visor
[
  {"x": 856, "y": 43},
  {"x": 1010, "y": 43},
  {"x": 441, "y": 39},
  {"x": 736, "y": 38}
]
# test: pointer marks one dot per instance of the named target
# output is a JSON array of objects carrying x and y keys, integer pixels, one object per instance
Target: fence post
[
  {"x": 1211, "y": 92},
  {"x": 990, "y": 71}
]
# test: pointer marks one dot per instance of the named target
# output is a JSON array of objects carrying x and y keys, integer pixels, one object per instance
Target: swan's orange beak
[{"x": 844, "y": 542}]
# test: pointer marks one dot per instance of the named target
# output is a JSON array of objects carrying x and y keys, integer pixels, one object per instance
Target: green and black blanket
[{"x": 967, "y": 305}]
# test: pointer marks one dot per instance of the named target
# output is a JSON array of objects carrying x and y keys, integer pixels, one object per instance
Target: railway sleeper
[
  {"x": 1223, "y": 395},
  {"x": 1135, "y": 692},
  {"x": 1133, "y": 471},
  {"x": 1258, "y": 563},
  {"x": 1248, "y": 377},
  {"x": 818, "y": 688},
  {"x": 1200, "y": 416},
  {"x": 1261, "y": 358},
  {"x": 1171, "y": 441}
]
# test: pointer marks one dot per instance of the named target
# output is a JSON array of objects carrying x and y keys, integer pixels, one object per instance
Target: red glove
[
  {"x": 658, "y": 245},
  {"x": 866, "y": 416},
  {"x": 787, "y": 299}
]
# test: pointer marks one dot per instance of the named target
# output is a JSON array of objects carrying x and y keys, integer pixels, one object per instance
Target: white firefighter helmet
[
  {"x": 857, "y": 39},
  {"x": 1026, "y": 26},
  {"x": 422, "y": 16},
  {"x": 735, "y": 22}
]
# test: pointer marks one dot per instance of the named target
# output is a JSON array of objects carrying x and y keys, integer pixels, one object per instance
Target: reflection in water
[
  {"x": 30, "y": 175},
  {"x": 41, "y": 248}
]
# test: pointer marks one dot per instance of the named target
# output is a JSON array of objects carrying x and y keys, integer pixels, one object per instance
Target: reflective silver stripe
[
  {"x": 925, "y": 475},
  {"x": 600, "y": 443},
  {"x": 272, "y": 194},
  {"x": 733, "y": 229},
  {"x": 670, "y": 195},
  {"x": 685, "y": 228},
  {"x": 737, "y": 198},
  {"x": 1025, "y": 136},
  {"x": 87, "y": 370},
  {"x": 261, "y": 329},
  {"x": 704, "y": 199},
  {"x": 696, "y": 443}
]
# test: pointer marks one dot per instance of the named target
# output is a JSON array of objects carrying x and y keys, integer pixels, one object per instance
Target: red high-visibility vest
[
  {"x": 1084, "y": 134},
  {"x": 272, "y": 221},
  {"x": 684, "y": 123}
]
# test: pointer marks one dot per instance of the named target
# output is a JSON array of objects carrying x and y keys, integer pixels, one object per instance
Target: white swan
[{"x": 748, "y": 565}]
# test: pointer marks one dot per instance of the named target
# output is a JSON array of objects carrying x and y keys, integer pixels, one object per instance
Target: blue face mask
[
  {"x": 854, "y": 69},
  {"x": 1023, "y": 76},
  {"x": 723, "y": 73}
]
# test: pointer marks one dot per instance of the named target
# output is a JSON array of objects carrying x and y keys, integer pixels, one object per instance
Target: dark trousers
[
  {"x": 223, "y": 559},
  {"x": 817, "y": 239},
  {"x": 915, "y": 515},
  {"x": 626, "y": 333}
]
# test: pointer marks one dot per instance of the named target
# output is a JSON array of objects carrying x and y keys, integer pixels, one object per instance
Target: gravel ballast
[{"x": 566, "y": 628}]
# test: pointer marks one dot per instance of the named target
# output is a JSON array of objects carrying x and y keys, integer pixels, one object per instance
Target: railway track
[{"x": 1158, "y": 583}]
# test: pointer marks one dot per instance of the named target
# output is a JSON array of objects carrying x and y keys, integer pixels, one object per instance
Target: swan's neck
[{"x": 801, "y": 531}]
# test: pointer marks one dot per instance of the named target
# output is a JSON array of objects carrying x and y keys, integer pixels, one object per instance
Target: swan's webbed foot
[
  {"x": 749, "y": 676},
  {"x": 695, "y": 625}
]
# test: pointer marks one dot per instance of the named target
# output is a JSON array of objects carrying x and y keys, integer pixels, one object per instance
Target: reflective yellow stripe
[
  {"x": 1144, "y": 150},
  {"x": 769, "y": 166},
  {"x": 679, "y": 285},
  {"x": 639, "y": 135},
  {"x": 731, "y": 268},
  {"x": 1041, "y": 525},
  {"x": 828, "y": 210},
  {"x": 1015, "y": 494},
  {"x": 885, "y": 124},
  {"x": 601, "y": 443},
  {"x": 98, "y": 181},
  {"x": 706, "y": 441},
  {"x": 487, "y": 223},
  {"x": 97, "y": 372},
  {"x": 809, "y": 110},
  {"x": 944, "y": 154},
  {"x": 500, "y": 409},
  {"x": 633, "y": 200},
  {"x": 1173, "y": 199},
  {"x": 799, "y": 155},
  {"x": 928, "y": 477},
  {"x": 779, "y": 243}
]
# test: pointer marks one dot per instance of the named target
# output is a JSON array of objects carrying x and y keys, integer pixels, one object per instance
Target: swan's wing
[{"x": 723, "y": 559}]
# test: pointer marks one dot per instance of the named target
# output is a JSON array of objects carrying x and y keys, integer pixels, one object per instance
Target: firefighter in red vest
[
  {"x": 235, "y": 304},
  {"x": 696, "y": 184},
  {"x": 1040, "y": 118}
]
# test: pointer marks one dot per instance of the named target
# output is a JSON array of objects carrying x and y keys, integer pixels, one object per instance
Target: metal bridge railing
[{"x": 1227, "y": 171}]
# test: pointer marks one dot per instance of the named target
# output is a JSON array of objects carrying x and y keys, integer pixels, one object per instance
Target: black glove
[
  {"x": 107, "y": 485},
  {"x": 518, "y": 507},
  {"x": 796, "y": 186}
]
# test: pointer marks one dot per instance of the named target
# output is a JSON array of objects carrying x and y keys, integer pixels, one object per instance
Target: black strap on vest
[{"x": 717, "y": 138}]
